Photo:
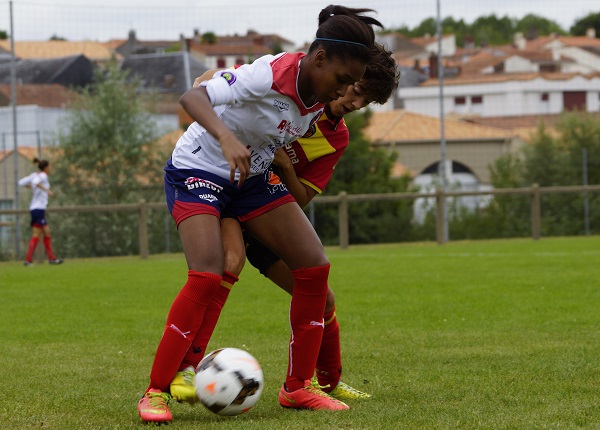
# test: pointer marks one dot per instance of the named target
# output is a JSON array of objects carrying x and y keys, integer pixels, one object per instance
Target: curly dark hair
[{"x": 382, "y": 75}]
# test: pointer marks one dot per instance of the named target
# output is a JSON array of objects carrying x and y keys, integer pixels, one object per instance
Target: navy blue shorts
[
  {"x": 194, "y": 192},
  {"x": 38, "y": 218}
]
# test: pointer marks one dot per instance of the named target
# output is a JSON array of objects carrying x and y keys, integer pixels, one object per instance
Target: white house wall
[
  {"x": 502, "y": 98},
  {"x": 49, "y": 122},
  {"x": 586, "y": 61},
  {"x": 516, "y": 64}
]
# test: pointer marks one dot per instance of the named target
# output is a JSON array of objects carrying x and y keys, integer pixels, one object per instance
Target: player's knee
[{"x": 234, "y": 262}]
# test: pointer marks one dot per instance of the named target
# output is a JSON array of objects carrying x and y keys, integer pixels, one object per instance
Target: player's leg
[
  {"x": 182, "y": 387},
  {"x": 287, "y": 232},
  {"x": 36, "y": 232},
  {"x": 48, "y": 246},
  {"x": 329, "y": 361},
  {"x": 199, "y": 228}
]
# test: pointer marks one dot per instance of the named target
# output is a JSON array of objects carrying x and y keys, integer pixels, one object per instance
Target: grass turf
[{"x": 469, "y": 335}]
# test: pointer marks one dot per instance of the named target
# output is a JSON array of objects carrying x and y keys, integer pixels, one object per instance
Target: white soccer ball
[{"x": 229, "y": 381}]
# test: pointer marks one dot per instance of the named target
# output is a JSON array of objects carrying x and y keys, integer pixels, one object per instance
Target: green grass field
[{"x": 468, "y": 335}]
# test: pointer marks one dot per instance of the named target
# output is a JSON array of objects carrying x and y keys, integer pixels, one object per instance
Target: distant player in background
[
  {"x": 305, "y": 167},
  {"x": 40, "y": 185}
]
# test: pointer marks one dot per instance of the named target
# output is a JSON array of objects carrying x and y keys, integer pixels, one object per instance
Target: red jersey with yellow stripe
[{"x": 314, "y": 158}]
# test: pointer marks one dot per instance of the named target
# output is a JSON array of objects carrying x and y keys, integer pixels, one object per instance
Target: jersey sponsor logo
[
  {"x": 281, "y": 106},
  {"x": 291, "y": 152},
  {"x": 289, "y": 127},
  {"x": 312, "y": 128},
  {"x": 193, "y": 183},
  {"x": 229, "y": 77},
  {"x": 208, "y": 197}
]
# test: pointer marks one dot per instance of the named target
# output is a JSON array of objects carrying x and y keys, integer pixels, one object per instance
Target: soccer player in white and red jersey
[
  {"x": 40, "y": 185},
  {"x": 305, "y": 166},
  {"x": 222, "y": 160}
]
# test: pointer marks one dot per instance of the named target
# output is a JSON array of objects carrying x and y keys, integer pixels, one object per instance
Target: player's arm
[
  {"x": 205, "y": 77},
  {"x": 198, "y": 105},
  {"x": 38, "y": 184},
  {"x": 301, "y": 192}
]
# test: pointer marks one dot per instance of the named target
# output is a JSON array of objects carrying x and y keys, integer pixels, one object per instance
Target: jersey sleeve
[
  {"x": 245, "y": 83},
  {"x": 317, "y": 173},
  {"x": 37, "y": 179},
  {"x": 23, "y": 182}
]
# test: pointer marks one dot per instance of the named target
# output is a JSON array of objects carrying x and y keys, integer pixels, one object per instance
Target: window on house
[
  {"x": 477, "y": 104},
  {"x": 220, "y": 63},
  {"x": 545, "y": 97},
  {"x": 239, "y": 60},
  {"x": 460, "y": 105}
]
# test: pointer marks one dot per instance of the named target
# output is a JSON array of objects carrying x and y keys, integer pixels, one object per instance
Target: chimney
[
  {"x": 590, "y": 33},
  {"x": 131, "y": 36},
  {"x": 433, "y": 66},
  {"x": 519, "y": 41}
]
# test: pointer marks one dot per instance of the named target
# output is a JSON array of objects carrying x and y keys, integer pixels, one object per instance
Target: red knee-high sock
[
  {"x": 329, "y": 362},
  {"x": 306, "y": 320},
  {"x": 31, "y": 249},
  {"x": 183, "y": 322},
  {"x": 48, "y": 246},
  {"x": 211, "y": 316}
]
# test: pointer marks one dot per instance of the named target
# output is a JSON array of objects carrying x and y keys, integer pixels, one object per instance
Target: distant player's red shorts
[{"x": 194, "y": 192}]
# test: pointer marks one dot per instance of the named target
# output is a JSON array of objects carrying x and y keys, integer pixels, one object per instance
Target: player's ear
[{"x": 320, "y": 57}]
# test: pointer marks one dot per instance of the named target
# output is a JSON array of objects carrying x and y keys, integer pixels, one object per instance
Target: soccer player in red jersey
[{"x": 305, "y": 167}]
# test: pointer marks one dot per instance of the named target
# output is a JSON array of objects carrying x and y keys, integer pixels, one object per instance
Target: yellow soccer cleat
[{"x": 182, "y": 386}]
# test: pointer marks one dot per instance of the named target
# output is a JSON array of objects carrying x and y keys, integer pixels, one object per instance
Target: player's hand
[
  {"x": 281, "y": 159},
  {"x": 197, "y": 82},
  {"x": 238, "y": 157},
  {"x": 51, "y": 193}
]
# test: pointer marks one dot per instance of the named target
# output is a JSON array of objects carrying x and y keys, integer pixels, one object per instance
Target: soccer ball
[{"x": 229, "y": 381}]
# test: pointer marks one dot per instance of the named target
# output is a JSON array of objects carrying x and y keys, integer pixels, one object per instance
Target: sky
[{"x": 102, "y": 20}]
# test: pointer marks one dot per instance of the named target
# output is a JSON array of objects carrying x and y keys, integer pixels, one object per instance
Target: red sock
[
  {"x": 183, "y": 322},
  {"x": 31, "y": 249},
  {"x": 48, "y": 247},
  {"x": 211, "y": 316},
  {"x": 329, "y": 363},
  {"x": 306, "y": 320}
]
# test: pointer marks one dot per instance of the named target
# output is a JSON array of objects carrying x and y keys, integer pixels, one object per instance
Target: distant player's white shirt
[
  {"x": 259, "y": 103},
  {"x": 40, "y": 197}
]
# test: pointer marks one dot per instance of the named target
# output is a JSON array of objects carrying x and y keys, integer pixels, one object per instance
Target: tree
[
  {"x": 209, "y": 38},
  {"x": 107, "y": 156},
  {"x": 363, "y": 170},
  {"x": 532, "y": 26},
  {"x": 582, "y": 25},
  {"x": 3, "y": 35}
]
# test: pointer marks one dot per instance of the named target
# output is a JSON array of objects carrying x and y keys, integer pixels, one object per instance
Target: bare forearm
[
  {"x": 197, "y": 104},
  {"x": 297, "y": 189}
]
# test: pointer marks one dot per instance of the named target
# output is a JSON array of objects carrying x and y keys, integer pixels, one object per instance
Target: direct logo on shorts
[
  {"x": 229, "y": 77},
  {"x": 194, "y": 183}
]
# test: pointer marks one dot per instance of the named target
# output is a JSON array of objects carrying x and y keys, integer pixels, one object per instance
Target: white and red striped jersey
[{"x": 260, "y": 104}]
